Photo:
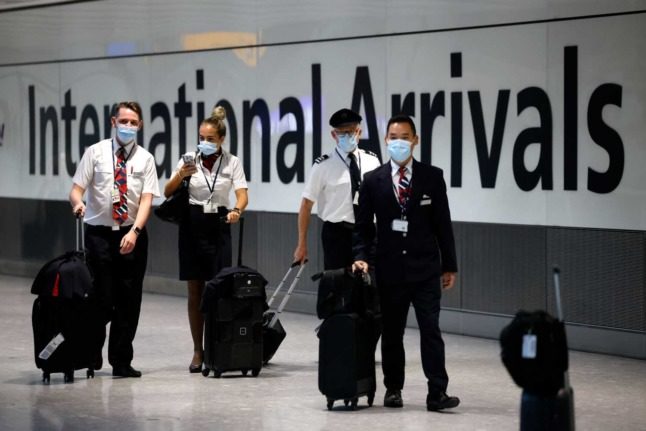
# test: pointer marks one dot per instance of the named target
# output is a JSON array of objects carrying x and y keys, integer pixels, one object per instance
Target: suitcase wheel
[
  {"x": 371, "y": 398},
  {"x": 353, "y": 403},
  {"x": 217, "y": 373},
  {"x": 330, "y": 403},
  {"x": 46, "y": 378},
  {"x": 68, "y": 377},
  {"x": 205, "y": 372},
  {"x": 346, "y": 402},
  {"x": 244, "y": 372},
  {"x": 90, "y": 373},
  {"x": 255, "y": 372}
]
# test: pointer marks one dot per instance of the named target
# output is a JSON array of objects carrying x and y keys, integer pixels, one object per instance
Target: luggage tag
[
  {"x": 116, "y": 197},
  {"x": 529, "y": 346}
]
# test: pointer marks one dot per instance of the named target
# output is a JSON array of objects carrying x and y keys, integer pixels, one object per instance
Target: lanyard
[
  {"x": 126, "y": 158},
  {"x": 212, "y": 186},
  {"x": 347, "y": 165},
  {"x": 407, "y": 199}
]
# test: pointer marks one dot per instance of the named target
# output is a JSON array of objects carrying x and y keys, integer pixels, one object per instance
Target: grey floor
[{"x": 610, "y": 392}]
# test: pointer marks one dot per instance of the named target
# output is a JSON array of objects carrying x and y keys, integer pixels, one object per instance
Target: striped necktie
[
  {"x": 120, "y": 209},
  {"x": 403, "y": 187}
]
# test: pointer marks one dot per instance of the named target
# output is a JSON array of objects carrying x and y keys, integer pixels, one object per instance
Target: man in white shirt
[
  {"x": 333, "y": 185},
  {"x": 120, "y": 179}
]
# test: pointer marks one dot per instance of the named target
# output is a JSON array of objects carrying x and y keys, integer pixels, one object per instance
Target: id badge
[
  {"x": 116, "y": 198},
  {"x": 400, "y": 225},
  {"x": 210, "y": 208}
]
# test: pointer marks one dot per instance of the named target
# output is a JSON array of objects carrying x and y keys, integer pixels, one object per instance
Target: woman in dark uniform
[{"x": 205, "y": 236}]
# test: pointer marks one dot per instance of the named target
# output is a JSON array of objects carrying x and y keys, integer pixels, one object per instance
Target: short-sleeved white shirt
[
  {"x": 95, "y": 174},
  {"x": 329, "y": 184},
  {"x": 227, "y": 173}
]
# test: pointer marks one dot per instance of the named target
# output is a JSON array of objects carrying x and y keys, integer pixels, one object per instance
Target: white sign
[{"x": 537, "y": 124}]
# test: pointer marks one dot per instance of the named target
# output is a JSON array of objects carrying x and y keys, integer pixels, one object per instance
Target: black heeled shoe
[{"x": 195, "y": 368}]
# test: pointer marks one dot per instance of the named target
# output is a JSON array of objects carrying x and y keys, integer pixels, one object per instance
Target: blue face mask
[
  {"x": 125, "y": 134},
  {"x": 207, "y": 148},
  {"x": 347, "y": 142},
  {"x": 399, "y": 150}
]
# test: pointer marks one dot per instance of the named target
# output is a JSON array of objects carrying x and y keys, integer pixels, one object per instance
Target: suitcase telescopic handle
[
  {"x": 557, "y": 292},
  {"x": 80, "y": 233},
  {"x": 240, "y": 236},
  {"x": 282, "y": 282}
]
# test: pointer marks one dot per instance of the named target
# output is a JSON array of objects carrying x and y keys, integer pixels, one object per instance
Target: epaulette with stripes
[
  {"x": 370, "y": 153},
  {"x": 322, "y": 158}
]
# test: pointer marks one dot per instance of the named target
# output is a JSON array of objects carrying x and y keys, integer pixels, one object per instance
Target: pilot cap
[{"x": 344, "y": 116}]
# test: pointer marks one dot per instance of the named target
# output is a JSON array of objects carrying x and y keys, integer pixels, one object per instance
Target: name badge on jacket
[
  {"x": 426, "y": 200},
  {"x": 399, "y": 225}
]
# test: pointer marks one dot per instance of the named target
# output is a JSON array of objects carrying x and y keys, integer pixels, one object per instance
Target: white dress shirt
[
  {"x": 329, "y": 184},
  {"x": 227, "y": 174},
  {"x": 95, "y": 174}
]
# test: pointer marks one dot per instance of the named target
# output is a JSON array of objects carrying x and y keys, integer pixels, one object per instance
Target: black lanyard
[
  {"x": 125, "y": 159},
  {"x": 212, "y": 187},
  {"x": 410, "y": 190},
  {"x": 347, "y": 165}
]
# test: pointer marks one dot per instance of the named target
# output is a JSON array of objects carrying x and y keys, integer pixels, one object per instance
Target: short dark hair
[
  {"x": 133, "y": 106},
  {"x": 401, "y": 118}
]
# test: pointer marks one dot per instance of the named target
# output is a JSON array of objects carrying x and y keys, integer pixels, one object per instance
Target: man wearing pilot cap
[{"x": 333, "y": 185}]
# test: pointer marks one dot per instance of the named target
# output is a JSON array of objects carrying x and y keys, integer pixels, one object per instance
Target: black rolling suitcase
[
  {"x": 233, "y": 304},
  {"x": 346, "y": 359},
  {"x": 534, "y": 350},
  {"x": 273, "y": 332},
  {"x": 347, "y": 337},
  {"x": 64, "y": 315}
]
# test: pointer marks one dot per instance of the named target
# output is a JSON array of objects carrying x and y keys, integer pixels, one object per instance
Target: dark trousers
[
  {"x": 118, "y": 283},
  {"x": 337, "y": 245},
  {"x": 395, "y": 302}
]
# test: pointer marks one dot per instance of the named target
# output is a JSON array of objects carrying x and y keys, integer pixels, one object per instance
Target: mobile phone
[{"x": 188, "y": 159}]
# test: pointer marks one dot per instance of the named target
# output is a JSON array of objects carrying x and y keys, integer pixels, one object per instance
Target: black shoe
[
  {"x": 195, "y": 368},
  {"x": 98, "y": 362},
  {"x": 393, "y": 399},
  {"x": 441, "y": 402},
  {"x": 125, "y": 371}
]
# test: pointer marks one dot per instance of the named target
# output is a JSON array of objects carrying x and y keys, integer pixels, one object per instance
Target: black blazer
[{"x": 428, "y": 249}]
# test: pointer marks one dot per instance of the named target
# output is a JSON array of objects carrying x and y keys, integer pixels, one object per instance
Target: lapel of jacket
[
  {"x": 417, "y": 180},
  {"x": 385, "y": 180}
]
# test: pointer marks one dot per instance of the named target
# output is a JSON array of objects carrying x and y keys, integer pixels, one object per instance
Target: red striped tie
[
  {"x": 120, "y": 209},
  {"x": 403, "y": 188}
]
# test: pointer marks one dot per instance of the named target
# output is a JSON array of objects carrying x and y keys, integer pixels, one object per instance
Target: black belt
[
  {"x": 106, "y": 229},
  {"x": 343, "y": 224}
]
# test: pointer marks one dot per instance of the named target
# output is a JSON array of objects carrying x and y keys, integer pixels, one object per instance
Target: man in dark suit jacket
[{"x": 415, "y": 258}]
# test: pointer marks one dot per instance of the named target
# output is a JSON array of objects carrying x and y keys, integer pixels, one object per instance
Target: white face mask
[
  {"x": 399, "y": 149},
  {"x": 347, "y": 142},
  {"x": 126, "y": 134},
  {"x": 207, "y": 148}
]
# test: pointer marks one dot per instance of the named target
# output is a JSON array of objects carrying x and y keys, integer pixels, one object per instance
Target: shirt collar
[
  {"x": 116, "y": 146},
  {"x": 394, "y": 167}
]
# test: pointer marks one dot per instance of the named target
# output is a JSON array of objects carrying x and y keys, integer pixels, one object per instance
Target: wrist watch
[{"x": 136, "y": 230}]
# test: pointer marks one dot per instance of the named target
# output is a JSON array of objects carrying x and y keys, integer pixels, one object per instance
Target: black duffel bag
[
  {"x": 175, "y": 208},
  {"x": 534, "y": 351}
]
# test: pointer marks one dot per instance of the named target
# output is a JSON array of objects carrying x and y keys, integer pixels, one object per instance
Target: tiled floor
[{"x": 610, "y": 391}]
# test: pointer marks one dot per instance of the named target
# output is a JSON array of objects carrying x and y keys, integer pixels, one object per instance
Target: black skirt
[{"x": 204, "y": 243}]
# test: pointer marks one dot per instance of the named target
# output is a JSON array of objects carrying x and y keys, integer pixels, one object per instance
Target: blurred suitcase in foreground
[
  {"x": 534, "y": 351},
  {"x": 65, "y": 318},
  {"x": 273, "y": 332}
]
